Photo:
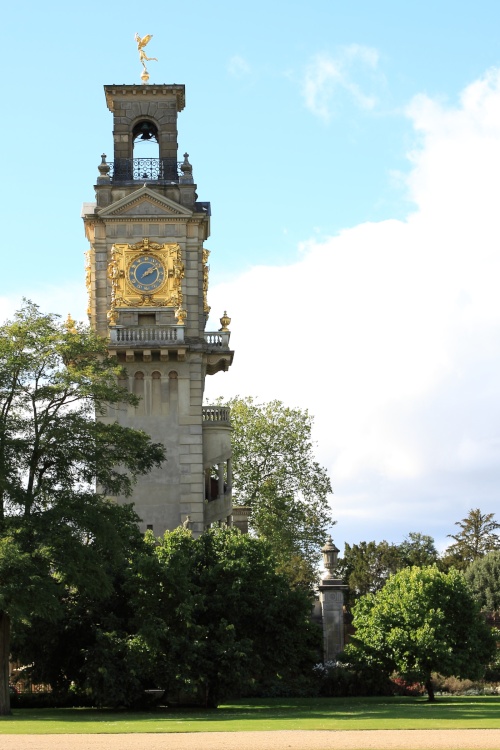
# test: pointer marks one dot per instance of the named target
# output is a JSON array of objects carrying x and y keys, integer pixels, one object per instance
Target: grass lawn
[{"x": 464, "y": 712}]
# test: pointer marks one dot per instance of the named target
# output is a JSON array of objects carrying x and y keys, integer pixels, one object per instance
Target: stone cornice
[
  {"x": 151, "y": 91},
  {"x": 150, "y": 219}
]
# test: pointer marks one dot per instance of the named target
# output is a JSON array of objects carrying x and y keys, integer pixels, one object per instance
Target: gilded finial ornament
[
  {"x": 70, "y": 324},
  {"x": 224, "y": 321},
  {"x": 181, "y": 315},
  {"x": 141, "y": 43}
]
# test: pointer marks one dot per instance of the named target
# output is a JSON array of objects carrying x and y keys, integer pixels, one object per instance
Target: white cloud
[
  {"x": 390, "y": 334},
  {"x": 238, "y": 67},
  {"x": 326, "y": 76}
]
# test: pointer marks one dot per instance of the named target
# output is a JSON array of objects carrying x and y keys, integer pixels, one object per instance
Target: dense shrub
[
  {"x": 70, "y": 699},
  {"x": 403, "y": 687},
  {"x": 339, "y": 679},
  {"x": 455, "y": 686}
]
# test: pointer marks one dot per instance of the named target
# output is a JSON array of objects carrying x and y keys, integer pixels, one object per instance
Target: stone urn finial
[
  {"x": 330, "y": 556},
  {"x": 187, "y": 170},
  {"x": 104, "y": 170}
]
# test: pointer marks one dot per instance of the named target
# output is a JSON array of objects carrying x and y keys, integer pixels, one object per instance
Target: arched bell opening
[
  {"x": 145, "y": 140},
  {"x": 146, "y": 151}
]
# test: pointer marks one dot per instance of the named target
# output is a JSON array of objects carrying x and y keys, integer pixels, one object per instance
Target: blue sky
[{"x": 351, "y": 153}]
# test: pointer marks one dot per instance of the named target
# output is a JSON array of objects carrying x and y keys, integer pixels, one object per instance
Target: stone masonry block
[{"x": 190, "y": 440}]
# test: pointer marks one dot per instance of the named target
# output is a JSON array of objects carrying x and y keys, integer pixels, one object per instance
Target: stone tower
[{"x": 147, "y": 279}]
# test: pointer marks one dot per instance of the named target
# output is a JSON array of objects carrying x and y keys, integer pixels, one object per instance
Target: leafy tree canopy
[
  {"x": 247, "y": 625},
  {"x": 477, "y": 537},
  {"x": 202, "y": 619},
  {"x": 483, "y": 576},
  {"x": 56, "y": 531},
  {"x": 275, "y": 473},
  {"x": 418, "y": 549},
  {"x": 423, "y": 621},
  {"x": 366, "y": 566}
]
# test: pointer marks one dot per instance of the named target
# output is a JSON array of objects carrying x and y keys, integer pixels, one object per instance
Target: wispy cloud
[
  {"x": 326, "y": 77},
  {"x": 238, "y": 67}
]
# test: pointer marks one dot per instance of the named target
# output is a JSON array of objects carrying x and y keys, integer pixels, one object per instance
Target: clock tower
[{"x": 147, "y": 280}]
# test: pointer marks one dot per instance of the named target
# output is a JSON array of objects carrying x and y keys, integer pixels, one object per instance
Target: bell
[{"x": 146, "y": 132}]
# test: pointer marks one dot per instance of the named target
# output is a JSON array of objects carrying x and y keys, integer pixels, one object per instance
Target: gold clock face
[{"x": 146, "y": 274}]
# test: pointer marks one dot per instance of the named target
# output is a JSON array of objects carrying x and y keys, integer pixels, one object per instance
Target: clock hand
[{"x": 149, "y": 271}]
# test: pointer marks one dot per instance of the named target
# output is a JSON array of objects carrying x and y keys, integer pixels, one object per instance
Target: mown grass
[{"x": 464, "y": 712}]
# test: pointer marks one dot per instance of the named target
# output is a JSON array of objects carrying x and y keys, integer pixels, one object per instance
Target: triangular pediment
[{"x": 143, "y": 202}]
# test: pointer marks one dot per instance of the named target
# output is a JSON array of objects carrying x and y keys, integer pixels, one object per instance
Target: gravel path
[{"x": 463, "y": 739}]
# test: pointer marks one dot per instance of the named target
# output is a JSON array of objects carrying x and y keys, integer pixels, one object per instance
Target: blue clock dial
[{"x": 146, "y": 273}]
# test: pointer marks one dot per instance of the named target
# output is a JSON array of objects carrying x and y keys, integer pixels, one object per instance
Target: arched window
[{"x": 156, "y": 392}]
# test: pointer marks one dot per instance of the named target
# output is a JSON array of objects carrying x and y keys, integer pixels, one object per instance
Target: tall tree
[
  {"x": 483, "y": 576},
  {"x": 477, "y": 537},
  {"x": 422, "y": 621},
  {"x": 276, "y": 474},
  {"x": 418, "y": 549},
  {"x": 201, "y": 618},
  {"x": 56, "y": 530},
  {"x": 366, "y": 566},
  {"x": 223, "y": 618}
]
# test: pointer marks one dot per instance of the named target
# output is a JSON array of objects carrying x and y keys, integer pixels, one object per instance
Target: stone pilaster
[{"x": 331, "y": 596}]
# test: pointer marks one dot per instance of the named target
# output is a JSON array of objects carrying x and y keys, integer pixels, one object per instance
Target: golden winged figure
[{"x": 141, "y": 43}]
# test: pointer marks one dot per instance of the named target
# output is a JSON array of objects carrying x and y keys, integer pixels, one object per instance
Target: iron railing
[{"x": 127, "y": 170}]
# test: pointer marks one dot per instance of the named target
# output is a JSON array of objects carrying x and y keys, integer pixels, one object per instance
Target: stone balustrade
[
  {"x": 218, "y": 338},
  {"x": 217, "y": 414},
  {"x": 162, "y": 336},
  {"x": 146, "y": 335}
]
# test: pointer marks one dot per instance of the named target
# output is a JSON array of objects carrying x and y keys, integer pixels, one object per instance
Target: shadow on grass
[{"x": 455, "y": 708}]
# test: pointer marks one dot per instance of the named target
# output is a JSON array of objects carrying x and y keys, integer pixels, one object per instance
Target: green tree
[
  {"x": 475, "y": 539},
  {"x": 203, "y": 619},
  {"x": 418, "y": 549},
  {"x": 93, "y": 642},
  {"x": 366, "y": 566},
  {"x": 422, "y": 621},
  {"x": 57, "y": 532},
  {"x": 275, "y": 473},
  {"x": 229, "y": 622},
  {"x": 483, "y": 576}
]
